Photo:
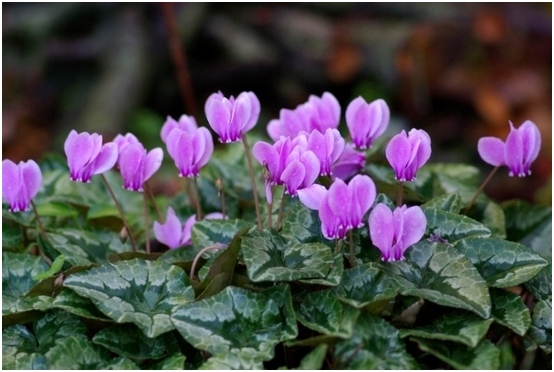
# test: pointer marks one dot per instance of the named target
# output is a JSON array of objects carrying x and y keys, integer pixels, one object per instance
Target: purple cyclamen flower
[
  {"x": 190, "y": 150},
  {"x": 407, "y": 153},
  {"x": 20, "y": 183},
  {"x": 87, "y": 156},
  {"x": 520, "y": 150},
  {"x": 317, "y": 114},
  {"x": 342, "y": 207},
  {"x": 233, "y": 117},
  {"x": 173, "y": 234},
  {"x": 393, "y": 232},
  {"x": 135, "y": 164},
  {"x": 186, "y": 123},
  {"x": 366, "y": 121},
  {"x": 327, "y": 147},
  {"x": 349, "y": 163}
]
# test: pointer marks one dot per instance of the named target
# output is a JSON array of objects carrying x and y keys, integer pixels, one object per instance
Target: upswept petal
[
  {"x": 187, "y": 230},
  {"x": 336, "y": 143},
  {"x": 531, "y": 143},
  {"x": 491, "y": 150},
  {"x": 275, "y": 129},
  {"x": 329, "y": 222},
  {"x": 415, "y": 224},
  {"x": 328, "y": 109},
  {"x": 513, "y": 153},
  {"x": 11, "y": 181},
  {"x": 266, "y": 155},
  {"x": 423, "y": 152},
  {"x": 239, "y": 118},
  {"x": 312, "y": 196},
  {"x": 311, "y": 165},
  {"x": 204, "y": 158},
  {"x": 131, "y": 166},
  {"x": 293, "y": 176},
  {"x": 254, "y": 112},
  {"x": 121, "y": 141},
  {"x": 219, "y": 116},
  {"x": 382, "y": 118},
  {"x": 363, "y": 193},
  {"x": 153, "y": 162},
  {"x": 78, "y": 149},
  {"x": 355, "y": 121},
  {"x": 398, "y": 152},
  {"x": 186, "y": 123},
  {"x": 348, "y": 163},
  {"x": 381, "y": 230},
  {"x": 106, "y": 159},
  {"x": 170, "y": 233},
  {"x": 340, "y": 199}
]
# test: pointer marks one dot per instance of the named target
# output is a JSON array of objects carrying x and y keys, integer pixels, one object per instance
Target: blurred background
[{"x": 458, "y": 70}]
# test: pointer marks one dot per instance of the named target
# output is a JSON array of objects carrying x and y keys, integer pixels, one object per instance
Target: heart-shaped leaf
[
  {"x": 367, "y": 285},
  {"x": 232, "y": 361},
  {"x": 453, "y": 227},
  {"x": 175, "y": 361},
  {"x": 540, "y": 285},
  {"x": 55, "y": 325},
  {"x": 19, "y": 349},
  {"x": 439, "y": 273},
  {"x": 135, "y": 291},
  {"x": 237, "y": 320},
  {"x": 540, "y": 330},
  {"x": 509, "y": 310},
  {"x": 500, "y": 262},
  {"x": 449, "y": 203},
  {"x": 374, "y": 344},
  {"x": 216, "y": 232},
  {"x": 302, "y": 225},
  {"x": 81, "y": 306},
  {"x": 485, "y": 356},
  {"x": 76, "y": 352},
  {"x": 269, "y": 257},
  {"x": 324, "y": 313},
  {"x": 314, "y": 359},
  {"x": 129, "y": 341},
  {"x": 522, "y": 218},
  {"x": 465, "y": 328}
]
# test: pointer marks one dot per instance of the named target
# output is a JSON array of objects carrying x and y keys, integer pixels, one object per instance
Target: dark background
[{"x": 459, "y": 71}]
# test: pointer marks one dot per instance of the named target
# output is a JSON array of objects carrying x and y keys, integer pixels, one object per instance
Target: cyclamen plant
[{"x": 373, "y": 284}]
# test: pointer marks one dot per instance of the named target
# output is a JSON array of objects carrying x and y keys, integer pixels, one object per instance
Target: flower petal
[
  {"x": 293, "y": 176},
  {"x": 78, "y": 149},
  {"x": 11, "y": 182},
  {"x": 491, "y": 150},
  {"x": 208, "y": 148},
  {"x": 415, "y": 224},
  {"x": 312, "y": 196},
  {"x": 513, "y": 153},
  {"x": 266, "y": 155},
  {"x": 381, "y": 230},
  {"x": 131, "y": 166},
  {"x": 169, "y": 233},
  {"x": 187, "y": 230},
  {"x": 106, "y": 158},
  {"x": 254, "y": 112},
  {"x": 218, "y": 115},
  {"x": 363, "y": 192},
  {"x": 153, "y": 162},
  {"x": 398, "y": 153},
  {"x": 531, "y": 143}
]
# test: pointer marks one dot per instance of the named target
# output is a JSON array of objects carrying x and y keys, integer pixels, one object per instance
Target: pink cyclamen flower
[
  {"x": 20, "y": 183},
  {"x": 233, "y": 117},
  {"x": 520, "y": 150},
  {"x": 174, "y": 234},
  {"x": 135, "y": 164},
  {"x": 317, "y": 114},
  {"x": 186, "y": 123},
  {"x": 342, "y": 207},
  {"x": 327, "y": 147},
  {"x": 87, "y": 156},
  {"x": 349, "y": 163},
  {"x": 366, "y": 121},
  {"x": 393, "y": 232},
  {"x": 407, "y": 153},
  {"x": 190, "y": 150}
]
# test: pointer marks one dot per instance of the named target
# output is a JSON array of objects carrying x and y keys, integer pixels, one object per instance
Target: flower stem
[
  {"x": 351, "y": 239},
  {"x": 480, "y": 189},
  {"x": 337, "y": 247},
  {"x": 270, "y": 211},
  {"x": 198, "y": 206},
  {"x": 151, "y": 195},
  {"x": 146, "y": 224},
  {"x": 216, "y": 246},
  {"x": 42, "y": 232},
  {"x": 123, "y": 219},
  {"x": 399, "y": 194},
  {"x": 253, "y": 180},
  {"x": 281, "y": 208}
]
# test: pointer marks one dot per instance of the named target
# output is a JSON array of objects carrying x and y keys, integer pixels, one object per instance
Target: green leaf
[
  {"x": 375, "y": 344},
  {"x": 81, "y": 306},
  {"x": 236, "y": 319},
  {"x": 12, "y": 236},
  {"x": 540, "y": 240},
  {"x": 368, "y": 286},
  {"x": 449, "y": 203},
  {"x": 314, "y": 359},
  {"x": 494, "y": 219},
  {"x": 135, "y": 291},
  {"x": 120, "y": 363},
  {"x": 76, "y": 352},
  {"x": 129, "y": 341},
  {"x": 540, "y": 285},
  {"x": 522, "y": 218},
  {"x": 56, "y": 209},
  {"x": 485, "y": 356},
  {"x": 449, "y": 178},
  {"x": 56, "y": 266},
  {"x": 302, "y": 225},
  {"x": 18, "y": 271},
  {"x": 56, "y": 325},
  {"x": 453, "y": 227},
  {"x": 215, "y": 232},
  {"x": 439, "y": 273},
  {"x": 500, "y": 262},
  {"x": 233, "y": 361},
  {"x": 269, "y": 257},
  {"x": 173, "y": 362},
  {"x": 323, "y": 312},
  {"x": 509, "y": 310},
  {"x": 384, "y": 179},
  {"x": 83, "y": 247},
  {"x": 465, "y": 328},
  {"x": 540, "y": 330},
  {"x": 18, "y": 350},
  {"x": 103, "y": 210}
]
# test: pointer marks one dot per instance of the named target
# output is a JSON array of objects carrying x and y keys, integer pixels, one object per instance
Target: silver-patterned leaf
[
  {"x": 540, "y": 330},
  {"x": 484, "y": 356},
  {"x": 509, "y": 310}
]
